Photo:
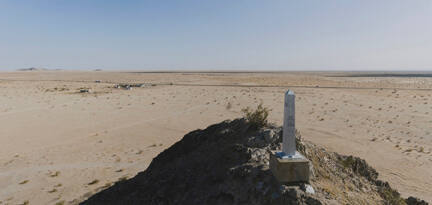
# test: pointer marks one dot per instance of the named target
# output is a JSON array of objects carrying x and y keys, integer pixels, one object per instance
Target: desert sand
[{"x": 58, "y": 145}]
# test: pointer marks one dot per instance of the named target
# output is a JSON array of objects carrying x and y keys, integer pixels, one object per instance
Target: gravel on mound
[{"x": 228, "y": 163}]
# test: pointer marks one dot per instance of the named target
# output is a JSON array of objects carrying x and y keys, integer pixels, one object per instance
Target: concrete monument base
[{"x": 289, "y": 170}]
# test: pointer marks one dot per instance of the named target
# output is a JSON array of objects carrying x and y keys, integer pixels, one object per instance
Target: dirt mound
[{"x": 228, "y": 163}]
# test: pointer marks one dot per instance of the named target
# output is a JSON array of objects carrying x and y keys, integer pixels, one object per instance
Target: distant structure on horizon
[
  {"x": 35, "y": 69},
  {"x": 31, "y": 69}
]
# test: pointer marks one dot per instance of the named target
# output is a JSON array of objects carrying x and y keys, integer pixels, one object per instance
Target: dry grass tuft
[
  {"x": 24, "y": 182},
  {"x": 228, "y": 106},
  {"x": 258, "y": 117},
  {"x": 93, "y": 182}
]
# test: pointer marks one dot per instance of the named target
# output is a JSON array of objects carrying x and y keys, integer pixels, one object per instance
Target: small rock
[
  {"x": 309, "y": 189},
  {"x": 415, "y": 201},
  {"x": 269, "y": 135},
  {"x": 258, "y": 155}
]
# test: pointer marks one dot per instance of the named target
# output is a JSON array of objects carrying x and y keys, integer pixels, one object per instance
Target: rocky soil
[{"x": 228, "y": 163}]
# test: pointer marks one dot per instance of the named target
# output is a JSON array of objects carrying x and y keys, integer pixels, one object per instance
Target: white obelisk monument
[
  {"x": 288, "y": 165},
  {"x": 288, "y": 139}
]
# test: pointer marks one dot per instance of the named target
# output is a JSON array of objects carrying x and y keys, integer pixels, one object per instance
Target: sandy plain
[{"x": 60, "y": 146}]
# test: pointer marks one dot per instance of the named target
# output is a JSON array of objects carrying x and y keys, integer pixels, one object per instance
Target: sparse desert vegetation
[
  {"x": 257, "y": 117},
  {"x": 24, "y": 182},
  {"x": 70, "y": 138},
  {"x": 93, "y": 182}
]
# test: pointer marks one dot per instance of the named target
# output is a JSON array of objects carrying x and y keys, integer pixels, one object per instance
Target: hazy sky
[{"x": 218, "y": 34}]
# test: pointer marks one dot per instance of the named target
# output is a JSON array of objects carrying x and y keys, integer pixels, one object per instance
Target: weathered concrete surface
[{"x": 288, "y": 170}]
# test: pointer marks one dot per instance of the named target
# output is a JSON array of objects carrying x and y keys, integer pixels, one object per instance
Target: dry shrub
[
  {"x": 228, "y": 106},
  {"x": 258, "y": 117}
]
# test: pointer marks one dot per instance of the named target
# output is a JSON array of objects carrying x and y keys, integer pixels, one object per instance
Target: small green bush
[
  {"x": 257, "y": 118},
  {"x": 348, "y": 162}
]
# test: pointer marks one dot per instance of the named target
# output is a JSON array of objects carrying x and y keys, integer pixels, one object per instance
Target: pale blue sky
[{"x": 219, "y": 34}]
